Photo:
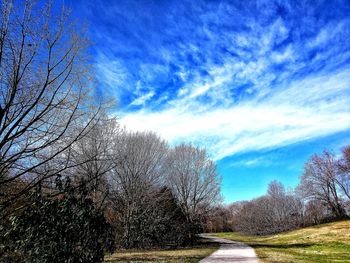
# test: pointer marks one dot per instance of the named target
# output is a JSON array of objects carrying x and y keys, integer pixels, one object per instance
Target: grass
[
  {"x": 185, "y": 255},
  {"x": 323, "y": 243}
]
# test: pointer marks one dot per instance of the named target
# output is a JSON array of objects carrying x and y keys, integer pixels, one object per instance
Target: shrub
[{"x": 64, "y": 228}]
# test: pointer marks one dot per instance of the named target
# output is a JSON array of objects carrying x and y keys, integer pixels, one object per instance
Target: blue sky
[{"x": 261, "y": 84}]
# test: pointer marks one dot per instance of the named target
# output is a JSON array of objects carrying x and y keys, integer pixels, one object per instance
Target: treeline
[
  {"x": 323, "y": 195},
  {"x": 73, "y": 184},
  {"x": 157, "y": 193},
  {"x": 142, "y": 192}
]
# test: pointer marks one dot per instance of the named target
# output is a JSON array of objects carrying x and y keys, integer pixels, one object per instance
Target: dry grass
[
  {"x": 323, "y": 243},
  {"x": 188, "y": 255}
]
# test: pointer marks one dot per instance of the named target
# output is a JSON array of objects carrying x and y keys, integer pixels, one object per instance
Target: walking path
[{"x": 230, "y": 251}]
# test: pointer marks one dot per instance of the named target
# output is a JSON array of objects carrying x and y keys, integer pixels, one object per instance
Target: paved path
[{"x": 230, "y": 251}]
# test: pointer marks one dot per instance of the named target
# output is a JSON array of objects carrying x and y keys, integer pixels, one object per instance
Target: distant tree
[
  {"x": 218, "y": 219},
  {"x": 286, "y": 207},
  {"x": 66, "y": 228},
  {"x": 275, "y": 212},
  {"x": 255, "y": 217},
  {"x": 276, "y": 189},
  {"x": 235, "y": 209},
  {"x": 321, "y": 196}
]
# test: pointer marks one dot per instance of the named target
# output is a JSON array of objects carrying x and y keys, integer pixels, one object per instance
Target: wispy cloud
[
  {"x": 305, "y": 109},
  {"x": 252, "y": 162},
  {"x": 229, "y": 76},
  {"x": 142, "y": 99}
]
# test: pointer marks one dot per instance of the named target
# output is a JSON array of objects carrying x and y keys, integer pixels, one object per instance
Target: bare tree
[
  {"x": 139, "y": 158},
  {"x": 343, "y": 175},
  {"x": 194, "y": 180},
  {"x": 92, "y": 158},
  {"x": 315, "y": 213},
  {"x": 319, "y": 182},
  {"x": 274, "y": 212},
  {"x": 218, "y": 219},
  {"x": 43, "y": 76},
  {"x": 136, "y": 179},
  {"x": 276, "y": 189},
  {"x": 235, "y": 209},
  {"x": 321, "y": 196}
]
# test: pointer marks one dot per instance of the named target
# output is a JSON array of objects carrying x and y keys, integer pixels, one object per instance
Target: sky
[{"x": 262, "y": 85}]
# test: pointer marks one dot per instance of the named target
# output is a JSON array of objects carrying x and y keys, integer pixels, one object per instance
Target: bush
[
  {"x": 155, "y": 220},
  {"x": 64, "y": 228}
]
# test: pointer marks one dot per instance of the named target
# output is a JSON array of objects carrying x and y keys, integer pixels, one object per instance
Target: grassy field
[
  {"x": 183, "y": 255},
  {"x": 323, "y": 243}
]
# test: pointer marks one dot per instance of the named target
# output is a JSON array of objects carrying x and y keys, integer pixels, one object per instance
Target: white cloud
[
  {"x": 280, "y": 105},
  {"x": 252, "y": 162},
  {"x": 111, "y": 73},
  {"x": 330, "y": 31},
  {"x": 286, "y": 55},
  {"x": 217, "y": 81},
  {"x": 142, "y": 99},
  {"x": 305, "y": 109}
]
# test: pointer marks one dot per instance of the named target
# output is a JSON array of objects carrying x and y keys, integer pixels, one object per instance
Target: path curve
[{"x": 230, "y": 251}]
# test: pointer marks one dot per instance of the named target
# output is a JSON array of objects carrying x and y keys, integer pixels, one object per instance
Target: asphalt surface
[{"x": 230, "y": 251}]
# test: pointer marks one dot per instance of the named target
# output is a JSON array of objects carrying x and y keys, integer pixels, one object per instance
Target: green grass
[
  {"x": 323, "y": 243},
  {"x": 183, "y": 255}
]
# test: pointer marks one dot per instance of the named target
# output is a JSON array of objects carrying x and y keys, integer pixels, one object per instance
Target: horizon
[{"x": 261, "y": 85}]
